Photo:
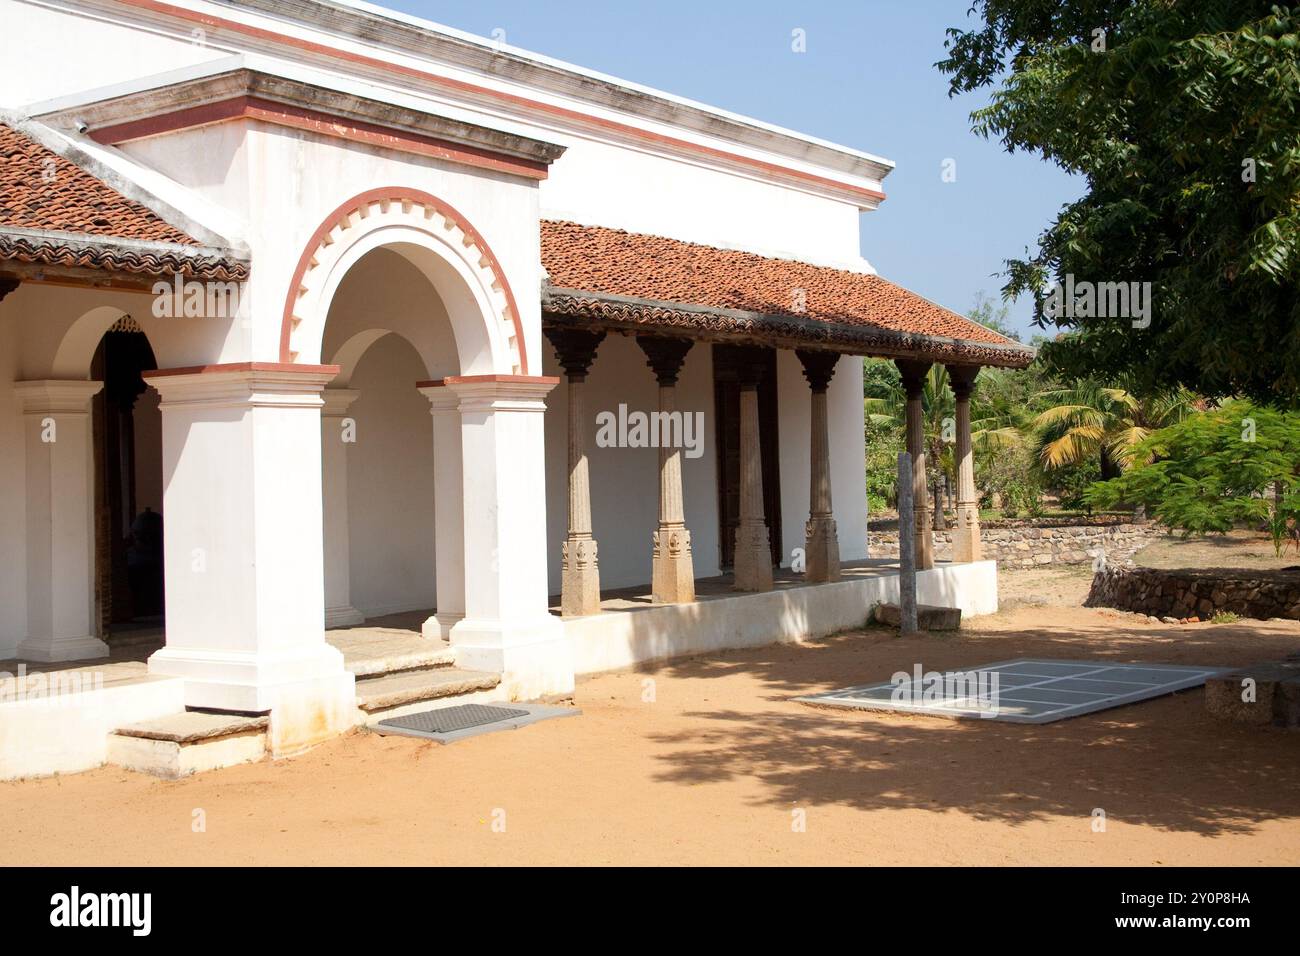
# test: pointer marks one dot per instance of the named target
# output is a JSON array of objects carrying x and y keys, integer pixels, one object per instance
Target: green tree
[
  {"x": 1089, "y": 421},
  {"x": 1180, "y": 120},
  {"x": 1233, "y": 465}
]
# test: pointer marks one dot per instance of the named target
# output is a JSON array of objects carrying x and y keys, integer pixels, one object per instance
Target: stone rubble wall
[
  {"x": 1181, "y": 594},
  {"x": 1025, "y": 543}
]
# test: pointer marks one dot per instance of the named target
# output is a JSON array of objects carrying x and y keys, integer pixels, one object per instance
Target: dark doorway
[
  {"x": 726, "y": 400},
  {"x": 128, "y": 488}
]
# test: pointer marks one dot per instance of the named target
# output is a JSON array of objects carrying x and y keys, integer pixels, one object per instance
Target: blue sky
[{"x": 867, "y": 80}]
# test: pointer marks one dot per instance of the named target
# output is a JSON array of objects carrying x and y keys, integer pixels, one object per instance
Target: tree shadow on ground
[{"x": 1164, "y": 763}]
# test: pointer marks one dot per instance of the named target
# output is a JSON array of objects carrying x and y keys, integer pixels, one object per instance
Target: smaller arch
[
  {"x": 347, "y": 355},
  {"x": 77, "y": 347},
  {"x": 414, "y": 212}
]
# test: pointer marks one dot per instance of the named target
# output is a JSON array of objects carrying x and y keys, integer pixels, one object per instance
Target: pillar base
[
  {"x": 309, "y": 712},
  {"x": 533, "y": 656},
  {"x": 821, "y": 550},
  {"x": 672, "y": 578},
  {"x": 346, "y": 616},
  {"x": 49, "y": 650},
  {"x": 753, "y": 559},
  {"x": 438, "y": 626},
  {"x": 244, "y": 680},
  {"x": 580, "y": 578},
  {"x": 966, "y": 545}
]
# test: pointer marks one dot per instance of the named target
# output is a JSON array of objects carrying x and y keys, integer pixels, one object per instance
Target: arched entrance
[
  {"x": 127, "y": 449},
  {"x": 387, "y": 329}
]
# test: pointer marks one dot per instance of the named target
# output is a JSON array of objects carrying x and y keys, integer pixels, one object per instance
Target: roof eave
[{"x": 787, "y": 331}]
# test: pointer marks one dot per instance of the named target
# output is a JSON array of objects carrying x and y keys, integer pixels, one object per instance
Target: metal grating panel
[
  {"x": 448, "y": 724},
  {"x": 1023, "y": 691},
  {"x": 448, "y": 720}
]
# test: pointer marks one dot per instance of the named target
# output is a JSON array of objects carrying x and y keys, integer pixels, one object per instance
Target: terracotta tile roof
[
  {"x": 788, "y": 298},
  {"x": 41, "y": 190}
]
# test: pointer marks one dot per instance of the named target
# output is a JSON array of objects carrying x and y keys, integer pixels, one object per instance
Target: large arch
[{"x": 438, "y": 241}]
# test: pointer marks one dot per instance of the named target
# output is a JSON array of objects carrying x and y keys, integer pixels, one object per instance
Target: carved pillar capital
[
  {"x": 818, "y": 367},
  {"x": 914, "y": 373},
  {"x": 665, "y": 356},
  {"x": 575, "y": 349}
]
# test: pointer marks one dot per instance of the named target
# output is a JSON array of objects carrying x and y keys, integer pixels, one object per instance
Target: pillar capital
[
  {"x": 575, "y": 349},
  {"x": 914, "y": 373},
  {"x": 55, "y": 396},
  {"x": 500, "y": 393},
  {"x": 818, "y": 367},
  {"x": 665, "y": 355},
  {"x": 962, "y": 379},
  {"x": 272, "y": 384},
  {"x": 337, "y": 401}
]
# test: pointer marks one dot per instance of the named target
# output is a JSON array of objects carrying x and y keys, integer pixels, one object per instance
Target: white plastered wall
[{"x": 390, "y": 484}]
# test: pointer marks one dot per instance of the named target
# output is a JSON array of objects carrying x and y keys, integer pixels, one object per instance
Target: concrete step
[
  {"x": 372, "y": 651},
  {"x": 187, "y": 742},
  {"x": 393, "y": 690},
  {"x": 1262, "y": 694}
]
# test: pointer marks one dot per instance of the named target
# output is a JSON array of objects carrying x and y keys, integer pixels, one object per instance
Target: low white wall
[
  {"x": 618, "y": 639},
  {"x": 67, "y": 733}
]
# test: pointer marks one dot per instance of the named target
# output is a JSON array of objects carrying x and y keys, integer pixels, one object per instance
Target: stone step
[
  {"x": 373, "y": 651},
  {"x": 187, "y": 742},
  {"x": 1262, "y": 694},
  {"x": 928, "y": 617},
  {"x": 394, "y": 690}
]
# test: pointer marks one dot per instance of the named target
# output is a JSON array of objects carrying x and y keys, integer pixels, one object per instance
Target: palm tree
[{"x": 1088, "y": 419}]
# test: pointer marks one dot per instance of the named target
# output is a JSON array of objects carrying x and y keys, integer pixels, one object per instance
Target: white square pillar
[
  {"x": 243, "y": 547},
  {"x": 61, "y": 624},
  {"x": 335, "y": 438},
  {"x": 448, "y": 510},
  {"x": 508, "y": 627}
]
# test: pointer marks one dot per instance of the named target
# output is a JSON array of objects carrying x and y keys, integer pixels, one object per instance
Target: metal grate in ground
[
  {"x": 448, "y": 724},
  {"x": 1027, "y": 691}
]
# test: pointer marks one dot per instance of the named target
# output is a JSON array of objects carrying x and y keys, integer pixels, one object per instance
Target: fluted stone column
[
  {"x": 672, "y": 566},
  {"x": 966, "y": 536},
  {"x": 335, "y": 439},
  {"x": 913, "y": 384},
  {"x": 575, "y": 349},
  {"x": 821, "y": 542},
  {"x": 753, "y": 558}
]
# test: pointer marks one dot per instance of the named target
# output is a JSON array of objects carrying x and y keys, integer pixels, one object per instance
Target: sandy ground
[{"x": 708, "y": 761}]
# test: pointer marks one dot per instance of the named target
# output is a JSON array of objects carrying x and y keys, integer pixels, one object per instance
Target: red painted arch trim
[
  {"x": 397, "y": 194},
  {"x": 496, "y": 379},
  {"x": 319, "y": 49}
]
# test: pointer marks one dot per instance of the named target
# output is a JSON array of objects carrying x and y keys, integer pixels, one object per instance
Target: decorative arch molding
[{"x": 411, "y": 211}]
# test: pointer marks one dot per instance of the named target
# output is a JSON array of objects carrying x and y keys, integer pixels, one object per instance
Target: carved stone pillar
[
  {"x": 673, "y": 567},
  {"x": 914, "y": 384},
  {"x": 966, "y": 536},
  {"x": 575, "y": 349},
  {"x": 821, "y": 543},
  {"x": 753, "y": 557}
]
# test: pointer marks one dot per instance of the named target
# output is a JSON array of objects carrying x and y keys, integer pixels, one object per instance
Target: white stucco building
[{"x": 310, "y": 317}]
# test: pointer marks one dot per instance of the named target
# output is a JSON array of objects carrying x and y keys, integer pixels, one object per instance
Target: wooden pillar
[
  {"x": 821, "y": 542},
  {"x": 914, "y": 373},
  {"x": 575, "y": 349},
  {"x": 753, "y": 554},
  {"x": 672, "y": 567},
  {"x": 966, "y": 536}
]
